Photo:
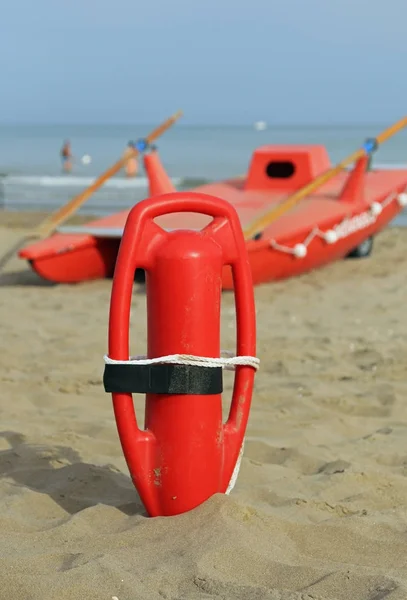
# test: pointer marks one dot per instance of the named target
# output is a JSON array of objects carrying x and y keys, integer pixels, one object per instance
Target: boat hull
[
  {"x": 82, "y": 263},
  {"x": 269, "y": 264},
  {"x": 97, "y": 258},
  {"x": 325, "y": 226}
]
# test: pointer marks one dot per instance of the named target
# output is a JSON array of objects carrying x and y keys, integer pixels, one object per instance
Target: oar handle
[
  {"x": 265, "y": 220},
  {"x": 392, "y": 130},
  {"x": 162, "y": 128}
]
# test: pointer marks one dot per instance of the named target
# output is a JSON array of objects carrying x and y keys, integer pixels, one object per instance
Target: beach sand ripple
[{"x": 319, "y": 511}]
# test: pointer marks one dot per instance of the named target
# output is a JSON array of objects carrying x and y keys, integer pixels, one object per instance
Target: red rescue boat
[{"x": 339, "y": 219}]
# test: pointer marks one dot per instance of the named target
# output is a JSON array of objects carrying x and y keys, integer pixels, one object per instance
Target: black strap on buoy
[{"x": 162, "y": 379}]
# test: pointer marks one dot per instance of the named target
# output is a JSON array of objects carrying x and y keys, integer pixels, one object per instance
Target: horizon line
[{"x": 270, "y": 125}]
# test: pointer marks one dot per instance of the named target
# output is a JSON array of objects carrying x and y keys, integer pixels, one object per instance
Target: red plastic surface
[
  {"x": 185, "y": 454},
  {"x": 75, "y": 258},
  {"x": 308, "y": 162}
]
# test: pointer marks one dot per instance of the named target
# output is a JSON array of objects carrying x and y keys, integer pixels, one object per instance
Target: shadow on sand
[
  {"x": 29, "y": 278},
  {"x": 58, "y": 472},
  {"x": 25, "y": 278}
]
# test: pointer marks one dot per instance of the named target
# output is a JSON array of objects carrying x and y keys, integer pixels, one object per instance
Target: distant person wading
[{"x": 66, "y": 157}]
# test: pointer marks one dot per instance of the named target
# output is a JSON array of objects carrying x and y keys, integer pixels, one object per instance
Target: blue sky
[{"x": 123, "y": 61}]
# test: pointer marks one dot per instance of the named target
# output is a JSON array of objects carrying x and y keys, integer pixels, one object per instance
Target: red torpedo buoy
[{"x": 185, "y": 453}]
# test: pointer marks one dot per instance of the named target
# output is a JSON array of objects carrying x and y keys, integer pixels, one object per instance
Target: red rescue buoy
[{"x": 185, "y": 453}]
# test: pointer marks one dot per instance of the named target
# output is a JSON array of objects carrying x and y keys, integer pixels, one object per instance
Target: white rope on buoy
[
  {"x": 190, "y": 359},
  {"x": 229, "y": 363},
  {"x": 236, "y": 470}
]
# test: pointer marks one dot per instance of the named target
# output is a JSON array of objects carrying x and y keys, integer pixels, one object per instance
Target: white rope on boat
[
  {"x": 229, "y": 363},
  {"x": 346, "y": 227}
]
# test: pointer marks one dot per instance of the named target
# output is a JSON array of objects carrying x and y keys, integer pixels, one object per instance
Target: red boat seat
[{"x": 286, "y": 168}]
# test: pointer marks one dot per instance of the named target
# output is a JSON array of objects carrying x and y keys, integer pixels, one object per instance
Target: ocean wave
[
  {"x": 124, "y": 183},
  {"x": 67, "y": 181}
]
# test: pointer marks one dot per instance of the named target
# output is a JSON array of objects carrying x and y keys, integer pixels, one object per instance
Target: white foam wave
[{"x": 81, "y": 182}]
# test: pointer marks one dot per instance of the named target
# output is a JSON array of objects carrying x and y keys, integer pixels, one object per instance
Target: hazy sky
[{"x": 221, "y": 61}]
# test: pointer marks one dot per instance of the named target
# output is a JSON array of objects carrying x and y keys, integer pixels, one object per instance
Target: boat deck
[
  {"x": 321, "y": 208},
  {"x": 323, "y": 205}
]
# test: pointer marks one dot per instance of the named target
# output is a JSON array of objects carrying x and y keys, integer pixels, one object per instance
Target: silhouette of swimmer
[{"x": 66, "y": 156}]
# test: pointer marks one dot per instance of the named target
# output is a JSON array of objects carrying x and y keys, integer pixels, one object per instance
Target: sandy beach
[{"x": 319, "y": 511}]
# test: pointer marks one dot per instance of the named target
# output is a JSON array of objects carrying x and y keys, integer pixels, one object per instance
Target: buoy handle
[{"x": 141, "y": 234}]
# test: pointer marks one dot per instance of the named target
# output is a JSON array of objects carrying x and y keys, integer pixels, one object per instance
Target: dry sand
[{"x": 320, "y": 507}]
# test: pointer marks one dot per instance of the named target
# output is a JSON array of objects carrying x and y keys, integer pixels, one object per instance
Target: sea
[{"x": 31, "y": 177}]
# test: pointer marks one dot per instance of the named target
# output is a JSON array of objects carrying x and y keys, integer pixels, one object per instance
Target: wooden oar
[
  {"x": 56, "y": 219},
  {"x": 50, "y": 224},
  {"x": 258, "y": 225}
]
